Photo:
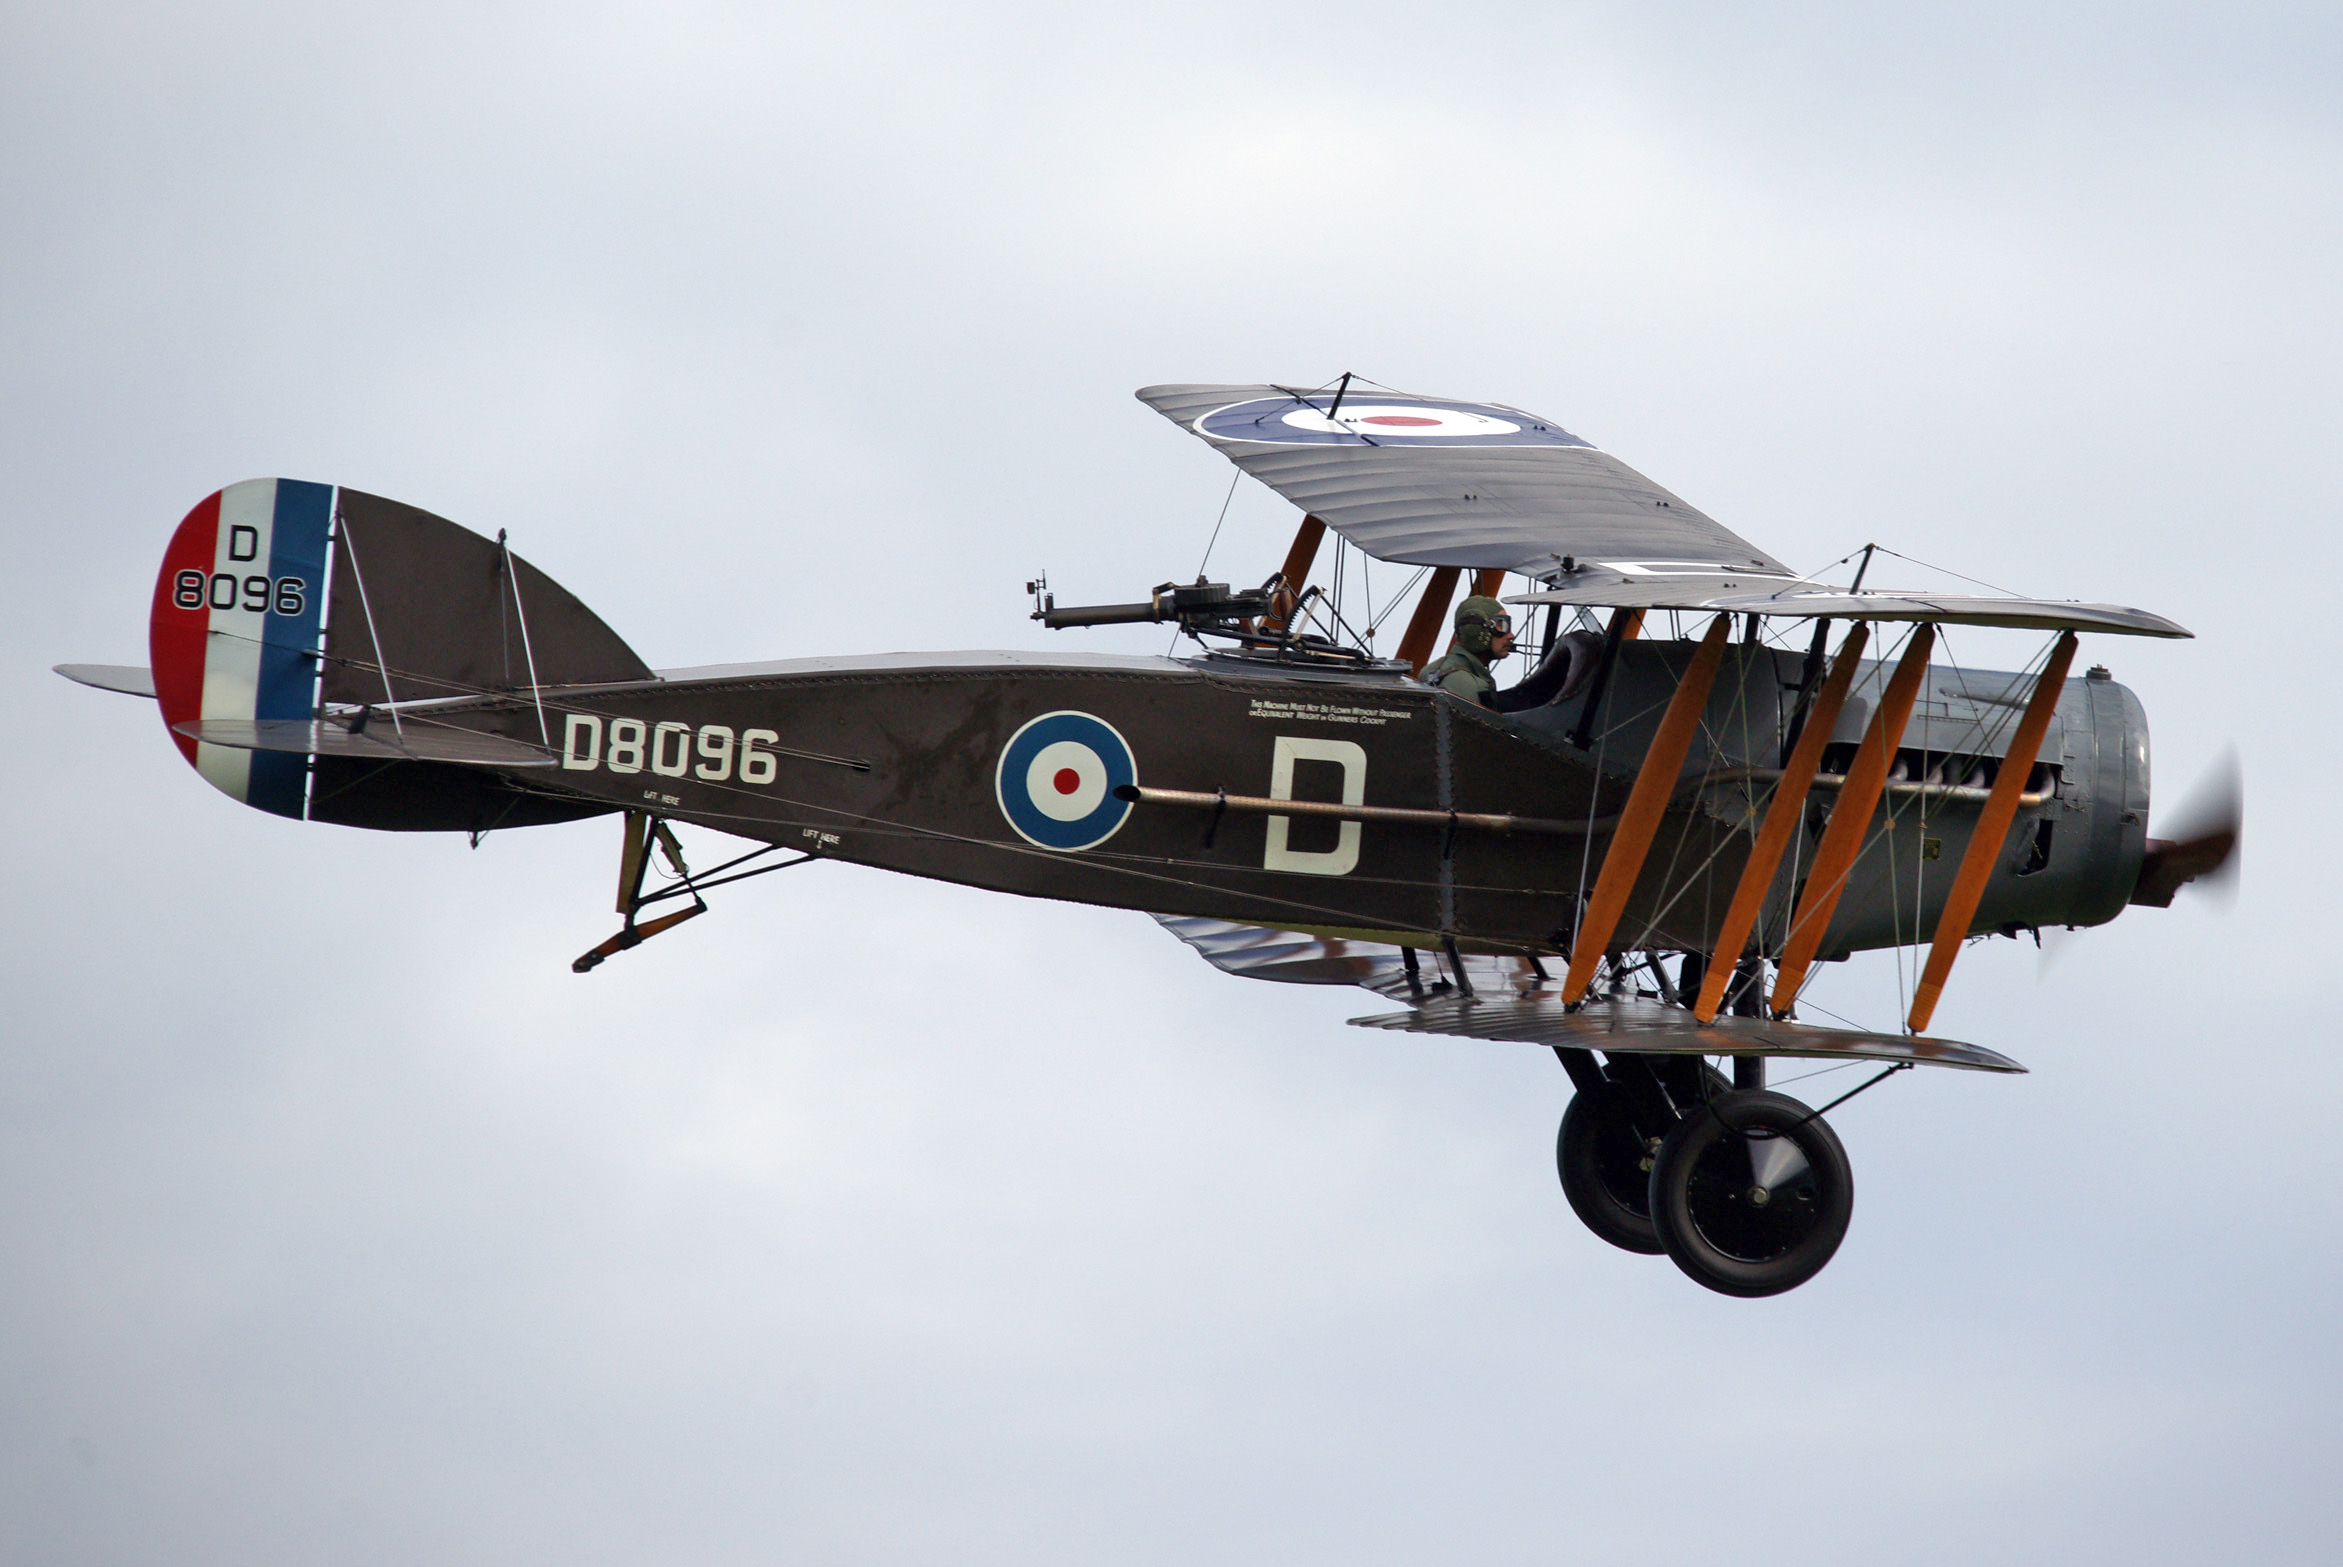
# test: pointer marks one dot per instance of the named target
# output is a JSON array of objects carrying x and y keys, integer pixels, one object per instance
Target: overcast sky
[{"x": 872, "y": 1220}]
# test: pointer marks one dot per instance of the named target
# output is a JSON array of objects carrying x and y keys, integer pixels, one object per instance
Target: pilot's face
[{"x": 1500, "y": 645}]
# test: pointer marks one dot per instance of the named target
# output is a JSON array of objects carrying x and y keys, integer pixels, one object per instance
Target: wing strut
[
  {"x": 1647, "y": 803},
  {"x": 1415, "y": 648},
  {"x": 2001, "y": 808},
  {"x": 1781, "y": 821},
  {"x": 1423, "y": 627},
  {"x": 1850, "y": 819},
  {"x": 1286, "y": 600}
]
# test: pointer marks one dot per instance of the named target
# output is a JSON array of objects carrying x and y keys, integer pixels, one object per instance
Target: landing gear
[
  {"x": 1747, "y": 1191},
  {"x": 1751, "y": 1193},
  {"x": 1606, "y": 1166},
  {"x": 1611, "y": 1136}
]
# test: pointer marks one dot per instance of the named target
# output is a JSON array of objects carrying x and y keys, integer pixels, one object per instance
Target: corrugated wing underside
[
  {"x": 1521, "y": 508},
  {"x": 1512, "y": 1002}
]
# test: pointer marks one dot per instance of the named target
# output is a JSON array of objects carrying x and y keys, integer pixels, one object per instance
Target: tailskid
[{"x": 642, "y": 832}]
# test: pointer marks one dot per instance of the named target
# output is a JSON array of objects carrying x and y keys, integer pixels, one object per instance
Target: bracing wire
[
  {"x": 1983, "y": 731},
  {"x": 1881, "y": 549},
  {"x": 1234, "y": 480}
]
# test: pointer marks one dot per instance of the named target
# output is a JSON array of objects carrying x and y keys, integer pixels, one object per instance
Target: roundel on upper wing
[
  {"x": 1389, "y": 421},
  {"x": 1057, "y": 780}
]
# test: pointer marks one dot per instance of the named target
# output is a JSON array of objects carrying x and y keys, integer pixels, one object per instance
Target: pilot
[{"x": 1484, "y": 635}]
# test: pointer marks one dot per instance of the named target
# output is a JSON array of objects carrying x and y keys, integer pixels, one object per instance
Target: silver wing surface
[
  {"x": 1437, "y": 482},
  {"x": 1511, "y": 1001},
  {"x": 1802, "y": 599}
]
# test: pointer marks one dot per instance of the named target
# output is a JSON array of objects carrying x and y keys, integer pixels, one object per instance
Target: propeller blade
[
  {"x": 2206, "y": 829},
  {"x": 1775, "y": 1162}
]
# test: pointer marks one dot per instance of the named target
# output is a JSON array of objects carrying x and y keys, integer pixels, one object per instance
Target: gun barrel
[{"x": 1098, "y": 615}]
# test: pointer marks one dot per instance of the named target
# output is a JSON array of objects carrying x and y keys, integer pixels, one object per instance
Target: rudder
[{"x": 234, "y": 633}]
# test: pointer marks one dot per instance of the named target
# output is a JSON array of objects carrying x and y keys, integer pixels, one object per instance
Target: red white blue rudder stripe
[
  {"x": 1057, "y": 780},
  {"x": 236, "y": 629}
]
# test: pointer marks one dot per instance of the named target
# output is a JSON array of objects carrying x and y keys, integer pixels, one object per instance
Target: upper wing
[
  {"x": 1431, "y": 481},
  {"x": 1435, "y": 482},
  {"x": 1660, "y": 590},
  {"x": 1511, "y": 1000}
]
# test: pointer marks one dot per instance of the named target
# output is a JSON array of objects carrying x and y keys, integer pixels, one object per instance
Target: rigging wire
[
  {"x": 1948, "y": 571},
  {"x": 1825, "y": 1071},
  {"x": 1816, "y": 575},
  {"x": 1234, "y": 480},
  {"x": 1986, "y": 730},
  {"x": 1392, "y": 603}
]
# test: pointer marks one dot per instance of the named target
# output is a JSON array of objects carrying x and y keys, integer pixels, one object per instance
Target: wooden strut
[
  {"x": 1291, "y": 576},
  {"x": 1985, "y": 844},
  {"x": 633, "y": 856},
  {"x": 634, "y": 859},
  {"x": 1782, "y": 814},
  {"x": 1647, "y": 804},
  {"x": 1415, "y": 648},
  {"x": 1423, "y": 627},
  {"x": 1850, "y": 819}
]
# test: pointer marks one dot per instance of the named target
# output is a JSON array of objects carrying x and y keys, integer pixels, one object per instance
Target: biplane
[{"x": 1733, "y": 773}]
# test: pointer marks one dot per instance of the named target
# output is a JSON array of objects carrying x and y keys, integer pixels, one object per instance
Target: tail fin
[
  {"x": 278, "y": 597},
  {"x": 421, "y": 608}
]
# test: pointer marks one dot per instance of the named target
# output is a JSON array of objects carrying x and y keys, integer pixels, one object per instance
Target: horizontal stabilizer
[
  {"x": 380, "y": 741},
  {"x": 129, "y": 679},
  {"x": 1652, "y": 1026}
]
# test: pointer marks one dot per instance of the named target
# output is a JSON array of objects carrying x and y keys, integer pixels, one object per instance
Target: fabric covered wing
[
  {"x": 1432, "y": 481},
  {"x": 1512, "y": 1001},
  {"x": 1705, "y": 592},
  {"x": 1653, "y": 1027}
]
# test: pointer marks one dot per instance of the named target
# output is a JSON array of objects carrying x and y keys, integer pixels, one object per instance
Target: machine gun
[
  {"x": 1262, "y": 617},
  {"x": 1197, "y": 606}
]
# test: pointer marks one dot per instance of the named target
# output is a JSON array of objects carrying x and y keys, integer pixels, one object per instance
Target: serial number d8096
[
  {"x": 192, "y": 589},
  {"x": 708, "y": 752}
]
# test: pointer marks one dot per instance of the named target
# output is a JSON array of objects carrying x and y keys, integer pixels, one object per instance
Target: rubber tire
[
  {"x": 1601, "y": 1161},
  {"x": 1703, "y": 1222}
]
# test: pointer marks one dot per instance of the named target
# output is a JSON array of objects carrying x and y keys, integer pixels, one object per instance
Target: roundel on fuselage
[{"x": 1057, "y": 778}]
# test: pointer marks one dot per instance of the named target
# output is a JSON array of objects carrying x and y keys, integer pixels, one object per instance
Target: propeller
[{"x": 2206, "y": 828}]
